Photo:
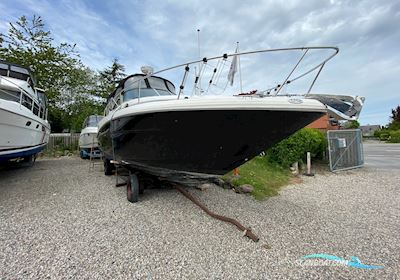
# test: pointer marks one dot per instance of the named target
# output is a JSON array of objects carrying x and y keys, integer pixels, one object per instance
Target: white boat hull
[
  {"x": 21, "y": 132},
  {"x": 88, "y": 138}
]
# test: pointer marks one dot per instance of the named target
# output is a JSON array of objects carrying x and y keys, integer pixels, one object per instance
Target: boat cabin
[
  {"x": 16, "y": 72},
  {"x": 24, "y": 93},
  {"x": 136, "y": 87}
]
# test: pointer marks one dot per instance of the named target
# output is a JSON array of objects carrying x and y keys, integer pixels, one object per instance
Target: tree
[
  {"x": 57, "y": 68},
  {"x": 29, "y": 44},
  {"x": 395, "y": 117},
  {"x": 352, "y": 124},
  {"x": 110, "y": 76},
  {"x": 396, "y": 114}
]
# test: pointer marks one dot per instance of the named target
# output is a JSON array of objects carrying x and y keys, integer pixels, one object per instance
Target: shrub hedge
[
  {"x": 295, "y": 147},
  {"x": 391, "y": 136},
  {"x": 394, "y": 136}
]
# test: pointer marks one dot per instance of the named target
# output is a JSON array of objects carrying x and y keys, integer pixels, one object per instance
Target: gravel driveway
[{"x": 57, "y": 220}]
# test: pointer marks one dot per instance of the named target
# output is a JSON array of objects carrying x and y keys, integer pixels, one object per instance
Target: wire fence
[
  {"x": 63, "y": 141},
  {"x": 345, "y": 149}
]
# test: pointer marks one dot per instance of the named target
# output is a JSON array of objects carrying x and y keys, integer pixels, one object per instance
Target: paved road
[{"x": 382, "y": 155}]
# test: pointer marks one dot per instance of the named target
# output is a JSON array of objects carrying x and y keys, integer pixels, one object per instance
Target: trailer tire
[{"x": 132, "y": 188}]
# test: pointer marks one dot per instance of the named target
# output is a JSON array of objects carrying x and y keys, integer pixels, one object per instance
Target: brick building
[{"x": 325, "y": 123}]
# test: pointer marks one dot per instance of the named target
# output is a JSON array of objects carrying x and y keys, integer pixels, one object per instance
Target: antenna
[
  {"x": 198, "y": 53},
  {"x": 198, "y": 42}
]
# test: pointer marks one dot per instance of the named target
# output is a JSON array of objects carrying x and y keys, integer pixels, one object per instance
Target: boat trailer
[{"x": 134, "y": 187}]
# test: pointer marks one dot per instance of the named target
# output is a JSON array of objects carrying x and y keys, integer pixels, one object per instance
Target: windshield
[
  {"x": 92, "y": 121},
  {"x": 135, "y": 87},
  {"x": 42, "y": 97},
  {"x": 14, "y": 71},
  {"x": 144, "y": 92}
]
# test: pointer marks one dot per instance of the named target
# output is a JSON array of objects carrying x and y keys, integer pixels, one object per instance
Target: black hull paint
[{"x": 211, "y": 142}]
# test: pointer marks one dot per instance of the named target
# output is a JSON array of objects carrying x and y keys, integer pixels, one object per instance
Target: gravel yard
[{"x": 57, "y": 220}]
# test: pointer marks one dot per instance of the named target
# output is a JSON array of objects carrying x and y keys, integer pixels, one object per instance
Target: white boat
[
  {"x": 154, "y": 130},
  {"x": 88, "y": 143},
  {"x": 24, "y": 129}
]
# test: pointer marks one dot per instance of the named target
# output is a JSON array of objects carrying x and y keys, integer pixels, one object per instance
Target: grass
[
  {"x": 266, "y": 177},
  {"x": 60, "y": 150}
]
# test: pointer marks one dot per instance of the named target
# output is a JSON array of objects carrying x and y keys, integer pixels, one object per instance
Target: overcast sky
[{"x": 163, "y": 33}]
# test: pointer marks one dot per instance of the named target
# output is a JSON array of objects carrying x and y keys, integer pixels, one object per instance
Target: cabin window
[
  {"x": 27, "y": 101},
  {"x": 19, "y": 73},
  {"x": 92, "y": 121},
  {"x": 163, "y": 85},
  {"x": 151, "y": 86},
  {"x": 9, "y": 95},
  {"x": 3, "y": 69},
  {"x": 170, "y": 87},
  {"x": 144, "y": 92},
  {"x": 163, "y": 92},
  {"x": 131, "y": 94},
  {"x": 41, "y": 112},
  {"x": 36, "y": 109},
  {"x": 42, "y": 97}
]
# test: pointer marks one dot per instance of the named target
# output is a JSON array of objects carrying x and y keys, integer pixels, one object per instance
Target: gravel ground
[{"x": 57, "y": 220}]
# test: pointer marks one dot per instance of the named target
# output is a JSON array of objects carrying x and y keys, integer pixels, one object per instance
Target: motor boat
[
  {"x": 88, "y": 143},
  {"x": 151, "y": 128},
  {"x": 24, "y": 129}
]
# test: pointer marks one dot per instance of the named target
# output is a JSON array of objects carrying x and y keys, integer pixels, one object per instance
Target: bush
[
  {"x": 384, "y": 135},
  {"x": 377, "y": 133},
  {"x": 394, "y": 136},
  {"x": 295, "y": 147}
]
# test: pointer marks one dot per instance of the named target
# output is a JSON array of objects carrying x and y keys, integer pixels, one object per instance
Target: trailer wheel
[
  {"x": 108, "y": 167},
  {"x": 132, "y": 188}
]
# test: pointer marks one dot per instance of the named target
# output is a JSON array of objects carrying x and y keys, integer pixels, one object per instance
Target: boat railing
[
  {"x": 222, "y": 61},
  {"x": 208, "y": 73},
  {"x": 196, "y": 71}
]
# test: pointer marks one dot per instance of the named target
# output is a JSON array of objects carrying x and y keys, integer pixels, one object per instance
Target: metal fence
[
  {"x": 63, "y": 141},
  {"x": 345, "y": 149}
]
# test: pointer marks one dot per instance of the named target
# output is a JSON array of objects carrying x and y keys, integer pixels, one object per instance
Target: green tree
[
  {"x": 56, "y": 67},
  {"x": 29, "y": 44},
  {"x": 395, "y": 117},
  {"x": 352, "y": 124},
  {"x": 396, "y": 114},
  {"x": 109, "y": 77}
]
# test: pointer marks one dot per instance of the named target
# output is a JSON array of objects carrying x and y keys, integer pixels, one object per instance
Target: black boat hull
[{"x": 206, "y": 141}]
